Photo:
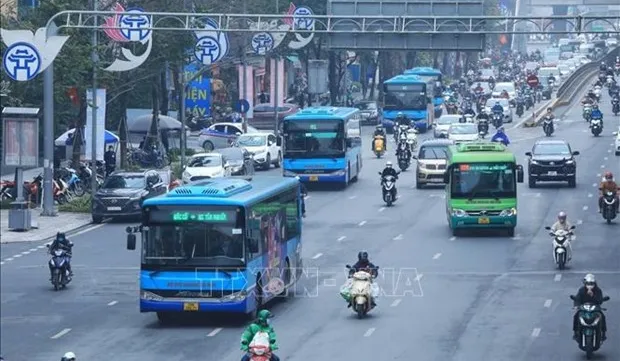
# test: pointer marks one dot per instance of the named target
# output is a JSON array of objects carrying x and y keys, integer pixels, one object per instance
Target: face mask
[
  {"x": 267, "y": 322},
  {"x": 590, "y": 287}
]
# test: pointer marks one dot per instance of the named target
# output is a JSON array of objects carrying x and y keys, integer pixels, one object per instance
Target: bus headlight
[
  {"x": 288, "y": 173},
  {"x": 237, "y": 296},
  {"x": 339, "y": 173},
  {"x": 150, "y": 296},
  {"x": 508, "y": 212},
  {"x": 458, "y": 212}
]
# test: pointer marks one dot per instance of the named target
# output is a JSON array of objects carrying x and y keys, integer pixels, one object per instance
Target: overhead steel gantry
[{"x": 328, "y": 24}]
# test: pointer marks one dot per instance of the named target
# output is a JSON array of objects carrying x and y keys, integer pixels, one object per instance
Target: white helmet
[
  {"x": 388, "y": 164},
  {"x": 69, "y": 356}
]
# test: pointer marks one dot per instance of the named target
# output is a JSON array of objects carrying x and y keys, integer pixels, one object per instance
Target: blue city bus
[
  {"x": 220, "y": 245},
  {"x": 427, "y": 73},
  {"x": 323, "y": 144},
  {"x": 410, "y": 95}
]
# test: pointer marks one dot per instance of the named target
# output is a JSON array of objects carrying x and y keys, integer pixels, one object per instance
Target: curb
[{"x": 70, "y": 232}]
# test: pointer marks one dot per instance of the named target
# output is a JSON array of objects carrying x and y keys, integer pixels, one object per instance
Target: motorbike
[
  {"x": 617, "y": 69},
  {"x": 452, "y": 108},
  {"x": 520, "y": 109},
  {"x": 7, "y": 190},
  {"x": 609, "y": 207},
  {"x": 412, "y": 139},
  {"x": 61, "y": 191},
  {"x": 498, "y": 119},
  {"x": 60, "y": 277},
  {"x": 529, "y": 102},
  {"x": 86, "y": 174},
  {"x": 548, "y": 126},
  {"x": 596, "y": 126},
  {"x": 561, "y": 245},
  {"x": 469, "y": 118},
  {"x": 401, "y": 132},
  {"x": 402, "y": 155},
  {"x": 388, "y": 186},
  {"x": 360, "y": 297},
  {"x": 609, "y": 80},
  {"x": 378, "y": 145},
  {"x": 589, "y": 316},
  {"x": 587, "y": 112},
  {"x": 597, "y": 93},
  {"x": 260, "y": 348},
  {"x": 551, "y": 84},
  {"x": 483, "y": 127},
  {"x": 615, "y": 106}
]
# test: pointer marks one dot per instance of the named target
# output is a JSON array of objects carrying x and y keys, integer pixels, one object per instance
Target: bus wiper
[{"x": 489, "y": 193}]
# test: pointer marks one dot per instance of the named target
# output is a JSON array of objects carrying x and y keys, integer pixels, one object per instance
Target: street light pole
[{"x": 94, "y": 111}]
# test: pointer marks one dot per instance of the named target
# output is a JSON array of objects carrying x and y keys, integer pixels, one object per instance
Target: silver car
[{"x": 221, "y": 135}]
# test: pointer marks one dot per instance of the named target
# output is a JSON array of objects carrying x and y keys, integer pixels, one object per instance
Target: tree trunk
[
  {"x": 436, "y": 60},
  {"x": 123, "y": 131},
  {"x": 364, "y": 62},
  {"x": 152, "y": 137},
  {"x": 164, "y": 105},
  {"x": 333, "y": 77},
  {"x": 78, "y": 135}
]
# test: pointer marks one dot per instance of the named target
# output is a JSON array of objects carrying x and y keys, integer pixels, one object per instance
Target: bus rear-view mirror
[
  {"x": 279, "y": 141},
  {"x": 253, "y": 246},
  {"x": 131, "y": 241},
  {"x": 519, "y": 174},
  {"x": 349, "y": 143}
]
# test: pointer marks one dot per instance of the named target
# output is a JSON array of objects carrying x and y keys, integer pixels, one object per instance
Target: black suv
[
  {"x": 238, "y": 160},
  {"x": 552, "y": 160},
  {"x": 122, "y": 193}
]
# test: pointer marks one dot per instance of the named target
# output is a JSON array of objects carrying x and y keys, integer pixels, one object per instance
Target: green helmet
[{"x": 263, "y": 315}]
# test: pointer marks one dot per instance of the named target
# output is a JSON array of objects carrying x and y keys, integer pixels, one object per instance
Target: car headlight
[
  {"x": 570, "y": 162},
  {"x": 508, "y": 212},
  {"x": 458, "y": 212},
  {"x": 137, "y": 197},
  {"x": 534, "y": 162},
  {"x": 186, "y": 175}
]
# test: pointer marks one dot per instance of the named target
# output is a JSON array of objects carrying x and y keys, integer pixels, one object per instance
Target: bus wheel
[
  {"x": 163, "y": 317},
  {"x": 357, "y": 171},
  {"x": 286, "y": 278},
  {"x": 258, "y": 299},
  {"x": 511, "y": 232}
]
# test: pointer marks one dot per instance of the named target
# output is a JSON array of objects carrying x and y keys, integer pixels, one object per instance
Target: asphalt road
[{"x": 445, "y": 298}]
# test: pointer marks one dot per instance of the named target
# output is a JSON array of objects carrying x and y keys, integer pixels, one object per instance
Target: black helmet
[
  {"x": 60, "y": 236},
  {"x": 362, "y": 256}
]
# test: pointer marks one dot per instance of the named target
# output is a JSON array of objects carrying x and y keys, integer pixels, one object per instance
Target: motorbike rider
[
  {"x": 505, "y": 94},
  {"x": 608, "y": 185},
  {"x": 591, "y": 293},
  {"x": 610, "y": 71},
  {"x": 603, "y": 66},
  {"x": 379, "y": 131},
  {"x": 69, "y": 356},
  {"x": 304, "y": 193},
  {"x": 497, "y": 108},
  {"x": 61, "y": 242},
  {"x": 483, "y": 115},
  {"x": 363, "y": 263},
  {"x": 261, "y": 324},
  {"x": 401, "y": 119},
  {"x": 389, "y": 171},
  {"x": 598, "y": 83},
  {"x": 596, "y": 113},
  {"x": 563, "y": 224},
  {"x": 500, "y": 137},
  {"x": 550, "y": 114},
  {"x": 551, "y": 78},
  {"x": 478, "y": 89}
]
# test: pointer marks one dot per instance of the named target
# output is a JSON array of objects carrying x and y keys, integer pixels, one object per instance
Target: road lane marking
[
  {"x": 61, "y": 333},
  {"x": 548, "y": 303},
  {"x": 536, "y": 332},
  {"x": 381, "y": 209},
  {"x": 585, "y": 208},
  {"x": 598, "y": 175},
  {"x": 609, "y": 151},
  {"x": 25, "y": 253},
  {"x": 437, "y": 255},
  {"x": 42, "y": 246},
  {"x": 17, "y": 256},
  {"x": 306, "y": 197},
  {"x": 605, "y": 158},
  {"x": 594, "y": 184},
  {"x": 341, "y": 238},
  {"x": 329, "y": 282},
  {"x": 112, "y": 303},
  {"x": 1, "y": 263},
  {"x": 590, "y": 195},
  {"x": 317, "y": 256},
  {"x": 398, "y": 238},
  {"x": 9, "y": 259},
  {"x": 602, "y": 165},
  {"x": 580, "y": 221},
  {"x": 396, "y": 302},
  {"x": 369, "y": 332},
  {"x": 214, "y": 332},
  {"x": 558, "y": 277},
  {"x": 352, "y": 197},
  {"x": 418, "y": 277},
  {"x": 452, "y": 239},
  {"x": 33, "y": 249},
  {"x": 362, "y": 223}
]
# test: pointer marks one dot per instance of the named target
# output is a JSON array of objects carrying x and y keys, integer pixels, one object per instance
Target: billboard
[
  {"x": 198, "y": 94},
  {"x": 88, "y": 130},
  {"x": 21, "y": 142}
]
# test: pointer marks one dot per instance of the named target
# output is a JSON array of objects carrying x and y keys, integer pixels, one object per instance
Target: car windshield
[
  {"x": 203, "y": 236},
  {"x": 252, "y": 140},
  {"x": 551, "y": 149},
  {"x": 433, "y": 152},
  {"x": 366, "y": 106},
  {"x": 483, "y": 180},
  {"x": 449, "y": 119},
  {"x": 503, "y": 102},
  {"x": 547, "y": 72},
  {"x": 464, "y": 129},
  {"x": 205, "y": 161},
  {"x": 311, "y": 139},
  {"x": 507, "y": 87},
  {"x": 124, "y": 181}
]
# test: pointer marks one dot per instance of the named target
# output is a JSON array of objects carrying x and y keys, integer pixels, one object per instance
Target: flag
[
  {"x": 73, "y": 95},
  {"x": 289, "y": 18}
]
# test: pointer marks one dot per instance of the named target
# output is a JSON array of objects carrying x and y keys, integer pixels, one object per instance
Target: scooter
[
  {"x": 360, "y": 298},
  {"x": 609, "y": 207},
  {"x": 469, "y": 118},
  {"x": 60, "y": 276},
  {"x": 597, "y": 93},
  {"x": 388, "y": 187},
  {"x": 596, "y": 126},
  {"x": 587, "y": 112},
  {"x": 401, "y": 153},
  {"x": 548, "y": 126},
  {"x": 561, "y": 246},
  {"x": 609, "y": 80},
  {"x": 497, "y": 120},
  {"x": 483, "y": 127},
  {"x": 260, "y": 347},
  {"x": 589, "y": 316},
  {"x": 378, "y": 145},
  {"x": 615, "y": 106},
  {"x": 412, "y": 139}
]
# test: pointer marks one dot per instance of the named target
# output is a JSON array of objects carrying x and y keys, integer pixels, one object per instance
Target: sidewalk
[
  {"x": 47, "y": 226},
  {"x": 29, "y": 174}
]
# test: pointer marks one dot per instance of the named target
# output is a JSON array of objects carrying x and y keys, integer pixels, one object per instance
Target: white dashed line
[
  {"x": 398, "y": 238},
  {"x": 352, "y": 197},
  {"x": 609, "y": 151},
  {"x": 598, "y": 175},
  {"x": 557, "y": 278},
  {"x": 396, "y": 302},
  {"x": 1, "y": 263},
  {"x": 590, "y": 195},
  {"x": 369, "y": 332},
  {"x": 25, "y": 253},
  {"x": 341, "y": 238},
  {"x": 41, "y": 246},
  {"x": 437, "y": 255},
  {"x": 329, "y": 282},
  {"x": 548, "y": 303},
  {"x": 9, "y": 259},
  {"x": 112, "y": 303},
  {"x": 362, "y": 223},
  {"x": 536, "y": 332},
  {"x": 605, "y": 158},
  {"x": 585, "y": 208},
  {"x": 594, "y": 184},
  {"x": 61, "y": 333},
  {"x": 33, "y": 249},
  {"x": 17, "y": 256},
  {"x": 602, "y": 165},
  {"x": 306, "y": 197},
  {"x": 317, "y": 256},
  {"x": 580, "y": 221},
  {"x": 214, "y": 332},
  {"x": 381, "y": 209},
  {"x": 452, "y": 239},
  {"x": 418, "y": 277}
]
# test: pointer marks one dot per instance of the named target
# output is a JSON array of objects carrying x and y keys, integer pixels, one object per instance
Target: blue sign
[
  {"x": 21, "y": 61},
  {"x": 262, "y": 43},
  {"x": 242, "y": 106},
  {"x": 134, "y": 27},
  {"x": 301, "y": 19},
  {"x": 198, "y": 95},
  {"x": 207, "y": 50}
]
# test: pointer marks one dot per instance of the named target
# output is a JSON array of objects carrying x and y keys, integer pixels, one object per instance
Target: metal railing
[{"x": 567, "y": 91}]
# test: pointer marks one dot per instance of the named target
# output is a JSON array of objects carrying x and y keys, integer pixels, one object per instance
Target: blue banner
[{"x": 198, "y": 95}]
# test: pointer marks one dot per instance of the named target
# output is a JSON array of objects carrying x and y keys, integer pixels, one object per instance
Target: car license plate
[
  {"x": 314, "y": 178},
  {"x": 114, "y": 208},
  {"x": 484, "y": 220},
  {"x": 552, "y": 173},
  {"x": 190, "y": 306},
  {"x": 436, "y": 180}
]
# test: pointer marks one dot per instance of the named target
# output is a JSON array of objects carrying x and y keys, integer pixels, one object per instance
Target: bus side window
[{"x": 291, "y": 205}]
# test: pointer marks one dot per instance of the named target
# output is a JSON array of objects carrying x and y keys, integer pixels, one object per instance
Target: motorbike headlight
[
  {"x": 458, "y": 212},
  {"x": 58, "y": 253},
  {"x": 508, "y": 212},
  {"x": 570, "y": 162},
  {"x": 534, "y": 162}
]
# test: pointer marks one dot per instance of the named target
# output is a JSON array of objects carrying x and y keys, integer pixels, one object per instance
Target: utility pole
[
  {"x": 244, "y": 67},
  {"x": 94, "y": 110},
  {"x": 276, "y": 79},
  {"x": 48, "y": 136},
  {"x": 182, "y": 96}
]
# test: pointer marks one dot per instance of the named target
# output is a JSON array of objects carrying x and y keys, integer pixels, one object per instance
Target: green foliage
[{"x": 77, "y": 205}]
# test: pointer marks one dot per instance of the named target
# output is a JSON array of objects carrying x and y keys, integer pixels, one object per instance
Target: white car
[
  {"x": 264, "y": 147},
  {"x": 505, "y": 104},
  {"x": 221, "y": 135},
  {"x": 463, "y": 132},
  {"x": 617, "y": 142},
  {"x": 443, "y": 124},
  {"x": 508, "y": 87},
  {"x": 205, "y": 166},
  {"x": 564, "y": 70}
]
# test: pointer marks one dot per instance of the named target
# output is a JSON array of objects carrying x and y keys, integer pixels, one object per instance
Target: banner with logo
[{"x": 88, "y": 130}]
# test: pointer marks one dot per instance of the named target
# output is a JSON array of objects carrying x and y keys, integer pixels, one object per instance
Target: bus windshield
[
  {"x": 314, "y": 139},
  {"x": 483, "y": 180},
  {"x": 194, "y": 236},
  {"x": 405, "y": 97},
  {"x": 436, "y": 79}
]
